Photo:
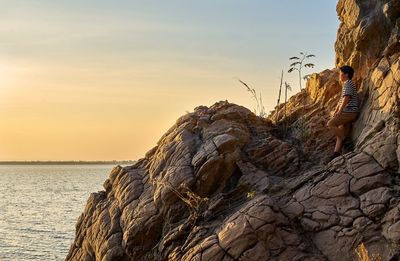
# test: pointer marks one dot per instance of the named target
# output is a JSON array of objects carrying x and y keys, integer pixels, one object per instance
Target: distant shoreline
[{"x": 69, "y": 162}]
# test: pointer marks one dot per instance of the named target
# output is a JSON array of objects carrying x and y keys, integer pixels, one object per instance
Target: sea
[{"x": 39, "y": 207}]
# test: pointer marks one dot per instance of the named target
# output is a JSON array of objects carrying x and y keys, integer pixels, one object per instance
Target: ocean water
[{"x": 39, "y": 206}]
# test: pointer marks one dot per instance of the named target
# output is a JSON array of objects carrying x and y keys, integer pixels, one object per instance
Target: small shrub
[
  {"x": 251, "y": 194},
  {"x": 300, "y": 129}
]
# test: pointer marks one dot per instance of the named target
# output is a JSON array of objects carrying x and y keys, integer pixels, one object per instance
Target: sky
[{"x": 103, "y": 80}]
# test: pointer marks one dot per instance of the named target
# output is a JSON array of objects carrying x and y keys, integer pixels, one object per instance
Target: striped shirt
[{"x": 349, "y": 89}]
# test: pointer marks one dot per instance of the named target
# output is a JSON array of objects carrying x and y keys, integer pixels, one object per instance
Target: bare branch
[{"x": 288, "y": 86}]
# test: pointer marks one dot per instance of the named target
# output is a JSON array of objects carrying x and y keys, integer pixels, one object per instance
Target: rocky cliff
[{"x": 224, "y": 184}]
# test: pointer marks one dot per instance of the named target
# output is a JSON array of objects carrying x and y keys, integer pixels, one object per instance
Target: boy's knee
[{"x": 330, "y": 124}]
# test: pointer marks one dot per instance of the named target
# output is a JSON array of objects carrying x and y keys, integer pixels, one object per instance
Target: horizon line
[{"x": 64, "y": 161}]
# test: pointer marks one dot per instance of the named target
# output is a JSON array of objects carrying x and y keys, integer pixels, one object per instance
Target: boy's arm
[
  {"x": 346, "y": 100},
  {"x": 336, "y": 109}
]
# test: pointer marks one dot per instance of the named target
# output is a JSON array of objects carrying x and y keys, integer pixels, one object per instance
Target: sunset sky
[{"x": 103, "y": 80}]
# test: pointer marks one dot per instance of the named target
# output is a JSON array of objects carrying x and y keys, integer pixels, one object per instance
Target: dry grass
[
  {"x": 194, "y": 202},
  {"x": 363, "y": 255},
  {"x": 260, "y": 109}
]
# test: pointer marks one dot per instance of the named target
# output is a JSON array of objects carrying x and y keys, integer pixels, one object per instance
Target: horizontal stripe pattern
[{"x": 349, "y": 89}]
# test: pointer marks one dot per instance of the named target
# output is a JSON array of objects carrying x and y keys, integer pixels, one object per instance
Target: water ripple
[{"x": 39, "y": 206}]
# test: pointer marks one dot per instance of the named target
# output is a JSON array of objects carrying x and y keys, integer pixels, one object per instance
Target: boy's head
[{"x": 346, "y": 73}]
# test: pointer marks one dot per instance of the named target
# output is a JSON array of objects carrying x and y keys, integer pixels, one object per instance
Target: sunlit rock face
[
  {"x": 368, "y": 40},
  {"x": 367, "y": 31},
  {"x": 224, "y": 184}
]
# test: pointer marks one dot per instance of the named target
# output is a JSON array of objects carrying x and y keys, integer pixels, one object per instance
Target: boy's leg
[
  {"x": 345, "y": 119},
  {"x": 346, "y": 128},
  {"x": 340, "y": 127},
  {"x": 338, "y": 145},
  {"x": 334, "y": 126}
]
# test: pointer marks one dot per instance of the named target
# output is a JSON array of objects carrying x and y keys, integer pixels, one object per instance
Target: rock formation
[{"x": 224, "y": 184}]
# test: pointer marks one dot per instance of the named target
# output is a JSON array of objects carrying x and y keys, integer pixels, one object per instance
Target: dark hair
[{"x": 347, "y": 70}]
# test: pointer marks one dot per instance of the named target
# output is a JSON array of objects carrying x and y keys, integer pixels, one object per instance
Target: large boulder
[{"x": 224, "y": 184}]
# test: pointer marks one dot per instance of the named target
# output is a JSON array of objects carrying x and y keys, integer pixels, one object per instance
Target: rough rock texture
[
  {"x": 224, "y": 184},
  {"x": 368, "y": 39}
]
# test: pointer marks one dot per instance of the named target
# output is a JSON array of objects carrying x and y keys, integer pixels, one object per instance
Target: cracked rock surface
[{"x": 224, "y": 184}]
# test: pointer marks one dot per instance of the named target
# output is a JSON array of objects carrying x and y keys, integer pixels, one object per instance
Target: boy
[{"x": 346, "y": 111}]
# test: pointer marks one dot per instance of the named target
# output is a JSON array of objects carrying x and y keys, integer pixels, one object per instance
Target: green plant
[
  {"x": 299, "y": 64},
  {"x": 251, "y": 194},
  {"x": 259, "y": 110}
]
